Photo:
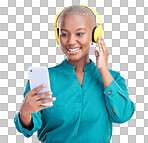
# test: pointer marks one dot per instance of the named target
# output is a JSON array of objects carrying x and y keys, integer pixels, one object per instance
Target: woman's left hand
[{"x": 102, "y": 55}]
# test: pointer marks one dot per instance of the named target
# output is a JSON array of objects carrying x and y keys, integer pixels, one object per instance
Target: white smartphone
[{"x": 39, "y": 75}]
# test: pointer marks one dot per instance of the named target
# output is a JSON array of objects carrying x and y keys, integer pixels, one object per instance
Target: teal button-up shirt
[{"x": 80, "y": 114}]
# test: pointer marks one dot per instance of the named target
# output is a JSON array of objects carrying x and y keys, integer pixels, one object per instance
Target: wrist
[
  {"x": 25, "y": 116},
  {"x": 26, "y": 121},
  {"x": 23, "y": 113},
  {"x": 103, "y": 69}
]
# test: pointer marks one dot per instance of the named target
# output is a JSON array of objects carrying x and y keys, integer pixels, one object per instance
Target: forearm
[
  {"x": 120, "y": 107},
  {"x": 26, "y": 121},
  {"x": 106, "y": 77},
  {"x": 29, "y": 124}
]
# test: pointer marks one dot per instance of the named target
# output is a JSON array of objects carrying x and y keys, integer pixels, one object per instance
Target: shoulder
[
  {"x": 55, "y": 68},
  {"x": 56, "y": 71}
]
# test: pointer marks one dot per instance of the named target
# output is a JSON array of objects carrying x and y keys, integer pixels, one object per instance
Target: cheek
[
  {"x": 86, "y": 41},
  {"x": 62, "y": 40}
]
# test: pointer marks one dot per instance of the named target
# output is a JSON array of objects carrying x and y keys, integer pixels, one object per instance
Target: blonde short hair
[{"x": 77, "y": 9}]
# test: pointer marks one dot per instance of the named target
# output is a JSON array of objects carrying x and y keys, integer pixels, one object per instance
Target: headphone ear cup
[
  {"x": 57, "y": 34},
  {"x": 97, "y": 31},
  {"x": 58, "y": 31},
  {"x": 93, "y": 40}
]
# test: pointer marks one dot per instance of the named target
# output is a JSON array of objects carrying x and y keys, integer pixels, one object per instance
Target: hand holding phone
[
  {"x": 33, "y": 103},
  {"x": 38, "y": 76}
]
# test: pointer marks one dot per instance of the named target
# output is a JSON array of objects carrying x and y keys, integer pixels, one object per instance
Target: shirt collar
[{"x": 88, "y": 67}]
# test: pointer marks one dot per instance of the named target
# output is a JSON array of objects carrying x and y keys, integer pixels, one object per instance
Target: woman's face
[{"x": 75, "y": 32}]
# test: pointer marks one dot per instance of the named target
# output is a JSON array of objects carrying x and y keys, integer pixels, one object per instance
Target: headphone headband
[{"x": 97, "y": 31}]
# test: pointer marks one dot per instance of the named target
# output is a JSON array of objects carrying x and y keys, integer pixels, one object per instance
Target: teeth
[{"x": 73, "y": 49}]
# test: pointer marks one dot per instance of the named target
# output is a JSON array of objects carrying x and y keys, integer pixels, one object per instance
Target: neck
[{"x": 79, "y": 64}]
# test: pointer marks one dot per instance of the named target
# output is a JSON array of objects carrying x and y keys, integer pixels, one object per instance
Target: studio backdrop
[{"x": 27, "y": 39}]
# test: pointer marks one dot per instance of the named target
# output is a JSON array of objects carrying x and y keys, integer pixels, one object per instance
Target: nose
[{"x": 71, "y": 40}]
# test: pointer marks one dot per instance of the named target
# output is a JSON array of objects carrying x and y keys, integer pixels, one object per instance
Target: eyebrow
[{"x": 76, "y": 30}]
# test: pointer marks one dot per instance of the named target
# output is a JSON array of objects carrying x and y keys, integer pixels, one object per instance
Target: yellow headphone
[{"x": 97, "y": 31}]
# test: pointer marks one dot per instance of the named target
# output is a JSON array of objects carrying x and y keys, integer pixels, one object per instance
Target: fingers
[
  {"x": 36, "y": 90},
  {"x": 43, "y": 107},
  {"x": 104, "y": 47},
  {"x": 96, "y": 53},
  {"x": 47, "y": 100},
  {"x": 101, "y": 43},
  {"x": 42, "y": 95}
]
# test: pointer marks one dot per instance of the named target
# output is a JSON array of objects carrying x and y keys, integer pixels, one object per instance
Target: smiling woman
[
  {"x": 76, "y": 38},
  {"x": 75, "y": 27},
  {"x": 89, "y": 96}
]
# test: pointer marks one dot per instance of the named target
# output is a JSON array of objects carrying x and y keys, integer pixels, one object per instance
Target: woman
[{"x": 89, "y": 96}]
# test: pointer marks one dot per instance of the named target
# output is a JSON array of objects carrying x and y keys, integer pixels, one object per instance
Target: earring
[{"x": 91, "y": 43}]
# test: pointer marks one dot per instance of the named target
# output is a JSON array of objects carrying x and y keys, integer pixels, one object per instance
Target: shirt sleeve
[
  {"x": 36, "y": 118},
  {"x": 118, "y": 103}
]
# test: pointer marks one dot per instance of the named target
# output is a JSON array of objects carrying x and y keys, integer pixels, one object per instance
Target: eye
[
  {"x": 64, "y": 34},
  {"x": 80, "y": 34}
]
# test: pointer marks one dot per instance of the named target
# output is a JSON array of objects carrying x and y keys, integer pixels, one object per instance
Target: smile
[{"x": 73, "y": 50}]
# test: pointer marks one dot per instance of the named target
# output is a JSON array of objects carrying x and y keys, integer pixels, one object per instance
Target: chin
[{"x": 73, "y": 58}]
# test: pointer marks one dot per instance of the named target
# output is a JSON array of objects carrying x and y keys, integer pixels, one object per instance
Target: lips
[{"x": 73, "y": 50}]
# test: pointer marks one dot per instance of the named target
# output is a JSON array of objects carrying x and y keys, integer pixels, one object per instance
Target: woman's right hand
[{"x": 32, "y": 102}]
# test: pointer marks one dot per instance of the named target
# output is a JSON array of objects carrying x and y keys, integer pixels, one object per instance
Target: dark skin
[
  {"x": 76, "y": 31},
  {"x": 72, "y": 34}
]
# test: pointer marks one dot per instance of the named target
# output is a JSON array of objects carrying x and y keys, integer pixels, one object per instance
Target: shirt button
[{"x": 108, "y": 92}]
